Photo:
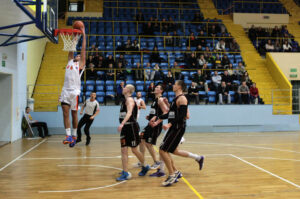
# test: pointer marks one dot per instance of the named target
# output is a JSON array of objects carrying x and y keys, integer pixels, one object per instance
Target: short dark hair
[
  {"x": 26, "y": 108},
  {"x": 162, "y": 87},
  {"x": 181, "y": 84}
]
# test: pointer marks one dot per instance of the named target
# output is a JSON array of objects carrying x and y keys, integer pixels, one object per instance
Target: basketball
[{"x": 78, "y": 25}]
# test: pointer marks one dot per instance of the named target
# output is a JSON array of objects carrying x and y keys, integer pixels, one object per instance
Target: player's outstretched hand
[
  {"x": 167, "y": 126},
  {"x": 82, "y": 30},
  {"x": 120, "y": 127}
]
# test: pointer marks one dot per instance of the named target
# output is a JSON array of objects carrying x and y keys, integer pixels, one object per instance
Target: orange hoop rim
[{"x": 67, "y": 32}]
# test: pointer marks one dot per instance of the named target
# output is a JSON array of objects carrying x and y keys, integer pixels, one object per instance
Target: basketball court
[
  {"x": 245, "y": 165},
  {"x": 237, "y": 165}
]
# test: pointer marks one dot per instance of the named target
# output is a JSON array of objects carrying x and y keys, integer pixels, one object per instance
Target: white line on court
[
  {"x": 87, "y": 189},
  {"x": 268, "y": 172},
  {"x": 244, "y": 146},
  {"x": 270, "y": 158},
  {"x": 20, "y": 156},
  {"x": 59, "y": 141}
]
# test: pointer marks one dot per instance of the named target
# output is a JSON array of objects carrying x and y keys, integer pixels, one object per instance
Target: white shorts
[{"x": 70, "y": 97}]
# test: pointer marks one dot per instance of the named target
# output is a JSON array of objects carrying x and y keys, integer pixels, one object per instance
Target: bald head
[{"x": 129, "y": 89}]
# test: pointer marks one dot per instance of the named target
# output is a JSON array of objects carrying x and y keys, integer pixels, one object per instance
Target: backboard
[{"x": 44, "y": 13}]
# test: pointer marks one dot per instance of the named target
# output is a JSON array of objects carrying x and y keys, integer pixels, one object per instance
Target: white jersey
[
  {"x": 72, "y": 77},
  {"x": 138, "y": 103},
  {"x": 91, "y": 107}
]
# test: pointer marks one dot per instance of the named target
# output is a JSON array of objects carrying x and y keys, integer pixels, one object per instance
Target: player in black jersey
[
  {"x": 176, "y": 128},
  {"x": 150, "y": 134},
  {"x": 129, "y": 129}
]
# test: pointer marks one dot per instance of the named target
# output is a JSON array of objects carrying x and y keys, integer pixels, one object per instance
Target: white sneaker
[
  {"x": 169, "y": 181},
  {"x": 155, "y": 165},
  {"x": 182, "y": 140}
]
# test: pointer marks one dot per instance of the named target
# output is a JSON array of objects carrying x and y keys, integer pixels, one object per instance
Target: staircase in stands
[
  {"x": 256, "y": 65},
  {"x": 51, "y": 76}
]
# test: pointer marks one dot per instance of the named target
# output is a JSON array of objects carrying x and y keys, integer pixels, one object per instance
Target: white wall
[
  {"x": 16, "y": 65},
  {"x": 6, "y": 110},
  {"x": 264, "y": 20}
]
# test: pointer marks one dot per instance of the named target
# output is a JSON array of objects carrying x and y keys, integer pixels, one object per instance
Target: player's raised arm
[{"x": 83, "y": 50}]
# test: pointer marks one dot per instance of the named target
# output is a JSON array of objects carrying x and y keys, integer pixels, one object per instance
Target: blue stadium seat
[
  {"x": 109, "y": 82},
  {"x": 100, "y": 99},
  {"x": 87, "y": 94},
  {"x": 109, "y": 87},
  {"x": 100, "y": 94},
  {"x": 99, "y": 88},
  {"x": 99, "y": 82},
  {"x": 90, "y": 88},
  {"x": 211, "y": 96},
  {"x": 90, "y": 82}
]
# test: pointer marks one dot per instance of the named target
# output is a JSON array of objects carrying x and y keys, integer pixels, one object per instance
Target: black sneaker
[
  {"x": 78, "y": 140},
  {"x": 201, "y": 162},
  {"x": 88, "y": 140}
]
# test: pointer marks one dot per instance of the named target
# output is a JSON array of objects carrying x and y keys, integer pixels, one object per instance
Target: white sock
[
  {"x": 194, "y": 156},
  {"x": 68, "y": 132},
  {"x": 162, "y": 166},
  {"x": 74, "y": 132}
]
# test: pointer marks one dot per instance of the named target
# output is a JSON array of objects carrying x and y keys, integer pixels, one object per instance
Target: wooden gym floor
[{"x": 237, "y": 166}]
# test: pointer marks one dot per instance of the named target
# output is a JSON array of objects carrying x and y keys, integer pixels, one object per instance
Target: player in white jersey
[
  {"x": 71, "y": 91},
  {"x": 140, "y": 103}
]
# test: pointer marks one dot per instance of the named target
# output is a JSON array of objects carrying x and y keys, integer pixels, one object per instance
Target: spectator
[
  {"x": 225, "y": 62},
  {"x": 187, "y": 54},
  {"x": 192, "y": 61},
  {"x": 120, "y": 72},
  {"x": 231, "y": 71},
  {"x": 172, "y": 25},
  {"x": 246, "y": 78},
  {"x": 216, "y": 80},
  {"x": 220, "y": 46},
  {"x": 156, "y": 25},
  {"x": 193, "y": 93},
  {"x": 234, "y": 46},
  {"x": 100, "y": 62},
  {"x": 269, "y": 46},
  {"x": 199, "y": 50},
  {"x": 41, "y": 126},
  {"x": 169, "y": 40},
  {"x": 128, "y": 45},
  {"x": 201, "y": 61},
  {"x": 206, "y": 72},
  {"x": 217, "y": 62},
  {"x": 201, "y": 38},
  {"x": 176, "y": 39},
  {"x": 156, "y": 74},
  {"x": 223, "y": 94},
  {"x": 169, "y": 81},
  {"x": 286, "y": 47},
  {"x": 138, "y": 73},
  {"x": 212, "y": 31},
  {"x": 200, "y": 80},
  {"x": 135, "y": 46},
  {"x": 177, "y": 71},
  {"x": 93, "y": 50},
  {"x": 252, "y": 33},
  {"x": 148, "y": 72},
  {"x": 119, "y": 95},
  {"x": 227, "y": 79},
  {"x": 90, "y": 60},
  {"x": 155, "y": 57},
  {"x": 109, "y": 60},
  {"x": 150, "y": 92},
  {"x": 110, "y": 72},
  {"x": 243, "y": 92},
  {"x": 276, "y": 32},
  {"x": 148, "y": 29},
  {"x": 165, "y": 25},
  {"x": 254, "y": 94},
  {"x": 122, "y": 60},
  {"x": 91, "y": 73},
  {"x": 192, "y": 40},
  {"x": 140, "y": 17},
  {"x": 240, "y": 70},
  {"x": 277, "y": 47}
]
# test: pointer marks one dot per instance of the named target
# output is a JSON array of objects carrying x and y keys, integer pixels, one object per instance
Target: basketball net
[{"x": 70, "y": 40}]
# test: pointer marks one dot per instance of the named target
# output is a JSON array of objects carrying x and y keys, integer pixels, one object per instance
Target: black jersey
[
  {"x": 155, "y": 109},
  {"x": 123, "y": 112},
  {"x": 174, "y": 111}
]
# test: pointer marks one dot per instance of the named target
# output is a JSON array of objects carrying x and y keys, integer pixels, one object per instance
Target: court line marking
[
  {"x": 270, "y": 158},
  {"x": 186, "y": 181},
  {"x": 245, "y": 146},
  {"x": 87, "y": 189},
  {"x": 266, "y": 171},
  {"x": 20, "y": 156},
  {"x": 75, "y": 158},
  {"x": 59, "y": 141}
]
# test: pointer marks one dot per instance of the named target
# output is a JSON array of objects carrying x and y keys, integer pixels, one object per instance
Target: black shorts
[
  {"x": 172, "y": 138},
  {"x": 150, "y": 134},
  {"x": 130, "y": 135}
]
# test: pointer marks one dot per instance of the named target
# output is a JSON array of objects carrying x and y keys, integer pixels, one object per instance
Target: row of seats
[{"x": 149, "y": 5}]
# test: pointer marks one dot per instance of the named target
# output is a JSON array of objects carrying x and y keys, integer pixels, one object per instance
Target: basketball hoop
[{"x": 70, "y": 38}]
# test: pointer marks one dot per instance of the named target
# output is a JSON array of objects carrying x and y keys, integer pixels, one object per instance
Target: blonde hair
[{"x": 131, "y": 88}]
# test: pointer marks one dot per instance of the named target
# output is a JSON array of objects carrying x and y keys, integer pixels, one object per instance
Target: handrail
[
  {"x": 153, "y": 2},
  {"x": 119, "y": 21},
  {"x": 166, "y": 51},
  {"x": 260, "y": 2}
]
